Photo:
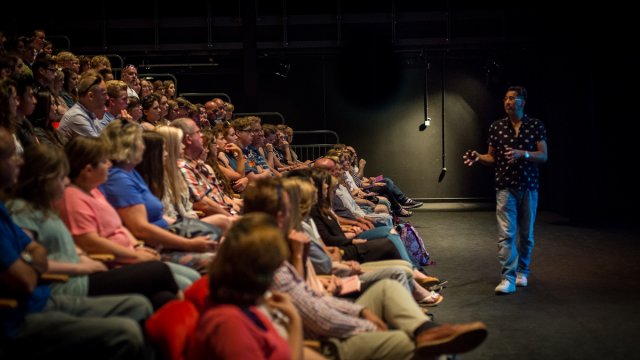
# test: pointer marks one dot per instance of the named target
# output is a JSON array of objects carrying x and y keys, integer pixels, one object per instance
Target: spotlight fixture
[{"x": 425, "y": 124}]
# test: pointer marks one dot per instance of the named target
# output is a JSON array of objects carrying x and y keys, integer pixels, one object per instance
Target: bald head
[{"x": 325, "y": 164}]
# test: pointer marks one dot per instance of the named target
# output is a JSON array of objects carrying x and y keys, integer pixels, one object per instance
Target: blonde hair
[
  {"x": 308, "y": 195},
  {"x": 174, "y": 182},
  {"x": 122, "y": 138}
]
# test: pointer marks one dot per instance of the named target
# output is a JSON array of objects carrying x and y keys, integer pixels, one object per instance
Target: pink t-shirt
[{"x": 84, "y": 213}]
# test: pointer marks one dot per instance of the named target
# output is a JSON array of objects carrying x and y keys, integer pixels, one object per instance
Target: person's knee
[
  {"x": 126, "y": 336},
  {"x": 136, "y": 307}
]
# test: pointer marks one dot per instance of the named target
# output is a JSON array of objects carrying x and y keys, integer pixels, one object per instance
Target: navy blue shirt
[
  {"x": 522, "y": 174},
  {"x": 12, "y": 242}
]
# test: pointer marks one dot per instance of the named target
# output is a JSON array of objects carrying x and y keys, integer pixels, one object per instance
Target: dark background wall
[{"x": 358, "y": 68}]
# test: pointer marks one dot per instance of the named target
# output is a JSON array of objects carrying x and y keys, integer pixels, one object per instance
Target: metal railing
[
  {"x": 314, "y": 144},
  {"x": 160, "y": 76},
  {"x": 205, "y": 96},
  {"x": 262, "y": 115}
]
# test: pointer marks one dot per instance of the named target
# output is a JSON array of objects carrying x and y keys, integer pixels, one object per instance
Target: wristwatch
[
  {"x": 527, "y": 155},
  {"x": 26, "y": 257}
]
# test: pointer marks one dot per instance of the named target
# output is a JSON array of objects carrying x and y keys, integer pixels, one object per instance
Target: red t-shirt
[{"x": 226, "y": 332}]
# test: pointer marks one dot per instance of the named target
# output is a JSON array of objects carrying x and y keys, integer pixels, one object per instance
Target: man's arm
[
  {"x": 471, "y": 157},
  {"x": 21, "y": 277}
]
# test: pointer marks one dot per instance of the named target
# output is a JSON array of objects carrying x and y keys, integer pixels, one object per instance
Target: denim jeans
[
  {"x": 395, "y": 190},
  {"x": 384, "y": 232},
  {"x": 516, "y": 214}
]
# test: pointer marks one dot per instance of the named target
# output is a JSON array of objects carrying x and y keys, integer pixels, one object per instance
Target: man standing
[{"x": 517, "y": 144}]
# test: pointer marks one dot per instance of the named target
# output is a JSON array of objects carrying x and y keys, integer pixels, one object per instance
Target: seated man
[
  {"x": 361, "y": 329},
  {"x": 58, "y": 326}
]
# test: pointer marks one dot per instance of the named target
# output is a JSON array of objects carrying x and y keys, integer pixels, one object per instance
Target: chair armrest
[
  {"x": 102, "y": 257},
  {"x": 51, "y": 277},
  {"x": 8, "y": 303},
  {"x": 312, "y": 344}
]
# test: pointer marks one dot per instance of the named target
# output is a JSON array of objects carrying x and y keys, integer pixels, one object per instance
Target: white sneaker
[
  {"x": 505, "y": 287},
  {"x": 521, "y": 280}
]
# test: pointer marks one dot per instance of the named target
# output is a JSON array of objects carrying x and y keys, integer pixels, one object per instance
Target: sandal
[
  {"x": 404, "y": 213},
  {"x": 433, "y": 299}
]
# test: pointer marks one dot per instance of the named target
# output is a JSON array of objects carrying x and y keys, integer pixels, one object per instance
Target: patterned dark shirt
[{"x": 521, "y": 174}]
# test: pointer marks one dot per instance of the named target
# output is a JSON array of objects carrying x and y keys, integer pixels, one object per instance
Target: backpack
[{"x": 414, "y": 244}]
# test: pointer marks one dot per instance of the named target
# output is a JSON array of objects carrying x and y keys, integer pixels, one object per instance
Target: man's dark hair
[{"x": 522, "y": 92}]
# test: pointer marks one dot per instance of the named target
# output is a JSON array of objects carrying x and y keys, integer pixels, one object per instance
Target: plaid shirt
[
  {"x": 201, "y": 181},
  {"x": 322, "y": 315}
]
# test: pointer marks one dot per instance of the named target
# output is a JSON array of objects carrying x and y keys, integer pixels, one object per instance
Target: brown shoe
[
  {"x": 428, "y": 281},
  {"x": 450, "y": 339}
]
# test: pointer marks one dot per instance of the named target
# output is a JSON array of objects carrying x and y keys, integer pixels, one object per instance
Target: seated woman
[
  {"x": 40, "y": 185},
  {"x": 352, "y": 242},
  {"x": 321, "y": 260},
  {"x": 140, "y": 211},
  {"x": 93, "y": 222},
  {"x": 232, "y": 327},
  {"x": 214, "y": 143},
  {"x": 155, "y": 168}
]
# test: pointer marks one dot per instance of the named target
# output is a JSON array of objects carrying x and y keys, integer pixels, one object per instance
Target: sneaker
[
  {"x": 521, "y": 280},
  {"x": 450, "y": 339},
  {"x": 505, "y": 287},
  {"x": 411, "y": 204}
]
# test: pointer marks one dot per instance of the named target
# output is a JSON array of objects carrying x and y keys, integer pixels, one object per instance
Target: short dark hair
[{"x": 522, "y": 92}]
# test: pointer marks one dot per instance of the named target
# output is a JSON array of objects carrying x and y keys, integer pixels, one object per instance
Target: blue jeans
[
  {"x": 395, "y": 190},
  {"x": 516, "y": 214},
  {"x": 384, "y": 232}
]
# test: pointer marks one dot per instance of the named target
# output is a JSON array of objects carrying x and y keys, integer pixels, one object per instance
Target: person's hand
[
  {"x": 240, "y": 184},
  {"x": 146, "y": 254},
  {"x": 354, "y": 266},
  {"x": 512, "y": 154},
  {"x": 90, "y": 266},
  {"x": 362, "y": 163},
  {"x": 358, "y": 241},
  {"x": 369, "y": 315},
  {"x": 356, "y": 229},
  {"x": 282, "y": 302},
  {"x": 233, "y": 149},
  {"x": 365, "y": 224},
  {"x": 334, "y": 252},
  {"x": 333, "y": 284},
  {"x": 349, "y": 234},
  {"x": 124, "y": 115},
  {"x": 202, "y": 244},
  {"x": 300, "y": 243},
  {"x": 470, "y": 157},
  {"x": 284, "y": 144}
]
